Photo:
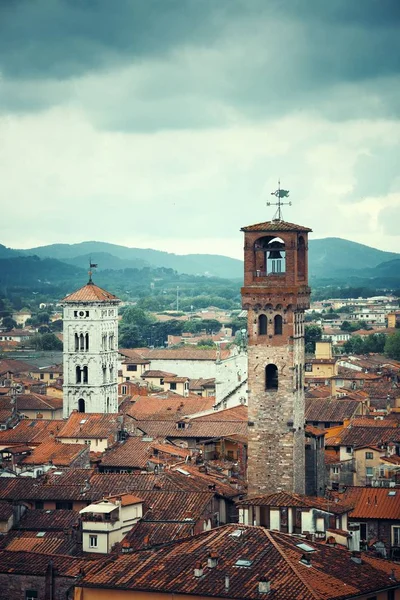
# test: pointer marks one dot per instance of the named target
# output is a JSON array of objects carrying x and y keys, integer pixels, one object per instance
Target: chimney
[
  {"x": 198, "y": 569},
  {"x": 226, "y": 582},
  {"x": 306, "y": 560},
  {"x": 264, "y": 586},
  {"x": 212, "y": 560}
]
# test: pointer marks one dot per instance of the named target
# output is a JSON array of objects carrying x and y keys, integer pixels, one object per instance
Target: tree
[
  {"x": 392, "y": 346},
  {"x": 346, "y": 326},
  {"x": 9, "y": 323},
  {"x": 205, "y": 344},
  {"x": 312, "y": 334},
  {"x": 47, "y": 341}
]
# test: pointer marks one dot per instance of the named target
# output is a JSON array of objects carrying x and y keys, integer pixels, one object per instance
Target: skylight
[
  {"x": 392, "y": 493},
  {"x": 83, "y": 421},
  {"x": 305, "y": 547},
  {"x": 241, "y": 562},
  {"x": 237, "y": 533},
  {"x": 41, "y": 534}
]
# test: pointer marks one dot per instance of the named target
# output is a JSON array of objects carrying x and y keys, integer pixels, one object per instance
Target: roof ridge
[{"x": 291, "y": 565}]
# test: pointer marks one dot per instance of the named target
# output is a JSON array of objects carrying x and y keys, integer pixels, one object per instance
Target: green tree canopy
[
  {"x": 312, "y": 335},
  {"x": 392, "y": 346}
]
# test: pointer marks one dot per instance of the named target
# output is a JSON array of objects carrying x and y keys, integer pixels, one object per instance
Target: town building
[
  {"x": 90, "y": 350},
  {"x": 275, "y": 295}
]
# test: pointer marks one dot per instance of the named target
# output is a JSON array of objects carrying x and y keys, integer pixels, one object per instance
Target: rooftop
[
  {"x": 242, "y": 560},
  {"x": 91, "y": 293},
  {"x": 276, "y": 226},
  {"x": 90, "y": 425}
]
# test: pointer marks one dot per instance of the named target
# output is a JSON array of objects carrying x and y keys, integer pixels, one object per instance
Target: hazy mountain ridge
[{"x": 329, "y": 258}]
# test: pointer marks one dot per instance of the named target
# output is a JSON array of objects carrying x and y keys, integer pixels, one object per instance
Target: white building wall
[
  {"x": 194, "y": 369},
  {"x": 101, "y": 392},
  {"x": 231, "y": 380}
]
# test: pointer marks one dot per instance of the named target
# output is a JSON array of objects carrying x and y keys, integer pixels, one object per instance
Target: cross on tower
[{"x": 279, "y": 194}]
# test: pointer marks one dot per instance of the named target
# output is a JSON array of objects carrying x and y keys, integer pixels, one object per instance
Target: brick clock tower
[{"x": 275, "y": 295}]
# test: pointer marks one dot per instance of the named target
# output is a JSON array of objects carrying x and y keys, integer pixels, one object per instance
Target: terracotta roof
[
  {"x": 37, "y": 402},
  {"x": 366, "y": 436},
  {"x": 90, "y": 425},
  {"x": 146, "y": 534},
  {"x": 125, "y": 499},
  {"x": 275, "y": 557},
  {"x": 171, "y": 408},
  {"x": 314, "y": 431},
  {"x": 134, "y": 453},
  {"x": 236, "y": 413},
  {"x": 184, "y": 353},
  {"x": 372, "y": 421},
  {"x": 30, "y": 563},
  {"x": 52, "y": 542},
  {"x": 196, "y": 428},
  {"x": 48, "y": 520},
  {"x": 198, "y": 384},
  {"x": 91, "y": 293},
  {"x": 276, "y": 226},
  {"x": 377, "y": 503},
  {"x": 32, "y": 431},
  {"x": 14, "y": 366},
  {"x": 159, "y": 374},
  {"x": 57, "y": 453},
  {"x": 286, "y": 499},
  {"x": 330, "y": 409}
]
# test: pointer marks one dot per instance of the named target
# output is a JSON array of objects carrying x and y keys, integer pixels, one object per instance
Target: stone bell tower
[
  {"x": 275, "y": 294},
  {"x": 90, "y": 350}
]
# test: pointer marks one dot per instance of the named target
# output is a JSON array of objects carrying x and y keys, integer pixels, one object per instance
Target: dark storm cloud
[{"x": 255, "y": 58}]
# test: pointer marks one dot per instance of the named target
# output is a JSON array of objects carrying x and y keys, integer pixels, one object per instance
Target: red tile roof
[
  {"x": 158, "y": 374},
  {"x": 334, "y": 410},
  {"x": 48, "y": 520},
  {"x": 272, "y": 556},
  {"x": 30, "y": 563},
  {"x": 368, "y": 436},
  {"x": 286, "y": 499},
  {"x": 31, "y": 431},
  {"x": 52, "y": 542},
  {"x": 90, "y": 425},
  {"x": 147, "y": 534},
  {"x": 14, "y": 366},
  {"x": 275, "y": 226},
  {"x": 171, "y": 408},
  {"x": 377, "y": 503},
  {"x": 59, "y": 454},
  {"x": 134, "y": 453},
  {"x": 91, "y": 293}
]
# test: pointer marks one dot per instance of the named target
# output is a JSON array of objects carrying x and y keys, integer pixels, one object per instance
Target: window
[
  {"x": 81, "y": 405},
  {"x": 92, "y": 541},
  {"x": 369, "y": 455},
  {"x": 308, "y": 367},
  {"x": 349, "y": 449},
  {"x": 64, "y": 505},
  {"x": 391, "y": 595},
  {"x": 262, "y": 325},
  {"x": 172, "y": 386},
  {"x": 39, "y": 504},
  {"x": 396, "y": 536},
  {"x": 87, "y": 341},
  {"x": 271, "y": 377},
  {"x": 124, "y": 389},
  {"x": 181, "y": 425},
  {"x": 31, "y": 595},
  {"x": 335, "y": 470},
  {"x": 277, "y": 325},
  {"x": 131, "y": 368},
  {"x": 369, "y": 472},
  {"x": 51, "y": 375},
  {"x": 85, "y": 375},
  {"x": 78, "y": 378},
  {"x": 88, "y": 442},
  {"x": 41, "y": 375}
]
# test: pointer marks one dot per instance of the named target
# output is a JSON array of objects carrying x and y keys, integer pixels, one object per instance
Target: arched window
[
  {"x": 81, "y": 342},
  {"x": 111, "y": 373},
  {"x": 81, "y": 405},
  {"x": 108, "y": 404},
  {"x": 278, "y": 325},
  {"x": 271, "y": 377},
  {"x": 85, "y": 374},
  {"x": 87, "y": 341},
  {"x": 78, "y": 373},
  {"x": 262, "y": 325},
  {"x": 76, "y": 342},
  {"x": 104, "y": 374},
  {"x": 301, "y": 258}
]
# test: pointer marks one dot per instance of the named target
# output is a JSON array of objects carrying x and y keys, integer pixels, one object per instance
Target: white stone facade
[{"x": 90, "y": 357}]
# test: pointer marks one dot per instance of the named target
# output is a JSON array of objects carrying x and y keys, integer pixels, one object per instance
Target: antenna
[
  {"x": 279, "y": 193},
  {"x": 90, "y": 272}
]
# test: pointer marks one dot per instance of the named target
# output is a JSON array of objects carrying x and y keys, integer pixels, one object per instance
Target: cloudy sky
[{"x": 167, "y": 123}]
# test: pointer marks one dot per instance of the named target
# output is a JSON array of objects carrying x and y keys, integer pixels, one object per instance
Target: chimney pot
[
  {"x": 264, "y": 586},
  {"x": 198, "y": 569},
  {"x": 212, "y": 560},
  {"x": 227, "y": 582}
]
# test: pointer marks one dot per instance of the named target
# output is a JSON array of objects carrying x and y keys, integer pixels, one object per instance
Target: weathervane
[
  {"x": 90, "y": 272},
  {"x": 279, "y": 194}
]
